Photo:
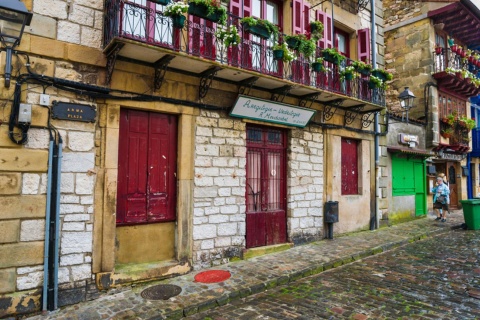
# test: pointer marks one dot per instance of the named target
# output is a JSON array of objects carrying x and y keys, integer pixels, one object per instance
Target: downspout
[
  {"x": 333, "y": 33},
  {"x": 57, "y": 221},
  {"x": 47, "y": 225},
  {"x": 374, "y": 219}
]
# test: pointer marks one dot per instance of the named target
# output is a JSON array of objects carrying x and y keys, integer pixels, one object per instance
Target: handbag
[{"x": 440, "y": 199}]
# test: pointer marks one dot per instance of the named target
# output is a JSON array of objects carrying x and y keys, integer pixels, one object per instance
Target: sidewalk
[{"x": 253, "y": 275}]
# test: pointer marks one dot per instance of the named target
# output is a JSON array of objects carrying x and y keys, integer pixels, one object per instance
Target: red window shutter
[
  {"x": 326, "y": 19},
  {"x": 200, "y": 42},
  {"x": 247, "y": 8},
  {"x": 306, "y": 16},
  {"x": 349, "y": 166},
  {"x": 235, "y": 7},
  {"x": 363, "y": 43},
  {"x": 297, "y": 16}
]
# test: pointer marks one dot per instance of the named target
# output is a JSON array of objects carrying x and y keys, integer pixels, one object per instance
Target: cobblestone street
[{"x": 436, "y": 278}]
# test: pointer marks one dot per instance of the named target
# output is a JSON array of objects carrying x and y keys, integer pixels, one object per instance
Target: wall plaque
[
  {"x": 271, "y": 111},
  {"x": 73, "y": 112}
]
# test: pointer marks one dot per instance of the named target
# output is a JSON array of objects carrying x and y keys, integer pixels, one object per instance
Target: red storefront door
[
  {"x": 147, "y": 154},
  {"x": 266, "y": 187}
]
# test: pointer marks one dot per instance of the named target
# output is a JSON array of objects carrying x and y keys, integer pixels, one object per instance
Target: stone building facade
[{"x": 211, "y": 153}]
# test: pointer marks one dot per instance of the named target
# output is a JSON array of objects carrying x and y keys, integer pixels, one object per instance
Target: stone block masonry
[{"x": 219, "y": 226}]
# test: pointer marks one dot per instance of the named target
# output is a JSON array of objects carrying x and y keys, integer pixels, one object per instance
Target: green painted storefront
[{"x": 409, "y": 185}]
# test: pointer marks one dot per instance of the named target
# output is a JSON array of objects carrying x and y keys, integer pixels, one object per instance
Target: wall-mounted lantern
[
  {"x": 13, "y": 19},
  {"x": 406, "y": 101}
]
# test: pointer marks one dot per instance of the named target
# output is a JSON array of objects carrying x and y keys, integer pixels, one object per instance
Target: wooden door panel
[
  {"x": 276, "y": 229},
  {"x": 256, "y": 231},
  {"x": 135, "y": 208},
  {"x": 452, "y": 184}
]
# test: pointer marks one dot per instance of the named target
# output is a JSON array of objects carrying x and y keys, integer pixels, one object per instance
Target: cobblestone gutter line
[{"x": 296, "y": 275}]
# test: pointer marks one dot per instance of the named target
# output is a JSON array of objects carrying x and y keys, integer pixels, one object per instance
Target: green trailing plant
[
  {"x": 251, "y": 21},
  {"x": 339, "y": 58},
  {"x": 305, "y": 46},
  {"x": 213, "y": 7},
  {"x": 175, "y": 9},
  {"x": 288, "y": 55},
  {"x": 382, "y": 73},
  {"x": 348, "y": 73},
  {"x": 228, "y": 36},
  {"x": 447, "y": 132},
  {"x": 467, "y": 122},
  {"x": 361, "y": 66},
  {"x": 316, "y": 30},
  {"x": 377, "y": 82}
]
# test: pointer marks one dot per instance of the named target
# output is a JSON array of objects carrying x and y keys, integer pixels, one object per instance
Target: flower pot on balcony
[
  {"x": 178, "y": 21},
  {"x": 450, "y": 42},
  {"x": 379, "y": 75},
  {"x": 348, "y": 76},
  {"x": 454, "y": 48},
  {"x": 257, "y": 30},
  {"x": 162, "y": 2},
  {"x": 293, "y": 43},
  {"x": 201, "y": 11},
  {"x": 317, "y": 67},
  {"x": 278, "y": 54}
]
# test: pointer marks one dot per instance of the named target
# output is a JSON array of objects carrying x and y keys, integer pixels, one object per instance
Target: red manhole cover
[{"x": 212, "y": 276}]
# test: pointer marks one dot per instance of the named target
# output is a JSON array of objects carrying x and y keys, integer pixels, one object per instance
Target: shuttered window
[{"x": 349, "y": 166}]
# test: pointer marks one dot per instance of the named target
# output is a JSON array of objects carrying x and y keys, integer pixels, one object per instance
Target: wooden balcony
[{"x": 138, "y": 34}]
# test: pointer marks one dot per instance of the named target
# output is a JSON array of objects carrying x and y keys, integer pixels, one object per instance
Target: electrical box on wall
[
  {"x": 44, "y": 99},
  {"x": 25, "y": 113}
]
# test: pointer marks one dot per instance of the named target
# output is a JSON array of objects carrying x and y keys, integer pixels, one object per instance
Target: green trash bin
[{"x": 471, "y": 213}]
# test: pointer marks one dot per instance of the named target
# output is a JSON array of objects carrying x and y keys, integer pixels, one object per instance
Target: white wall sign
[{"x": 269, "y": 111}]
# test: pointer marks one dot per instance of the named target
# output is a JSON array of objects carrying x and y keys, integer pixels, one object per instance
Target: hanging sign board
[
  {"x": 270, "y": 111},
  {"x": 73, "y": 112}
]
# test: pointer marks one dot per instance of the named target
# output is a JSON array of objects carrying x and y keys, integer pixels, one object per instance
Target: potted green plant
[
  {"x": 281, "y": 52},
  {"x": 382, "y": 74},
  {"x": 362, "y": 67},
  {"x": 348, "y": 73},
  {"x": 376, "y": 83},
  {"x": 316, "y": 30},
  {"x": 210, "y": 10},
  {"x": 176, "y": 11},
  {"x": 332, "y": 55},
  {"x": 228, "y": 36},
  {"x": 259, "y": 27},
  {"x": 468, "y": 123},
  {"x": 162, "y": 2},
  {"x": 447, "y": 132},
  {"x": 302, "y": 44},
  {"x": 317, "y": 65}
]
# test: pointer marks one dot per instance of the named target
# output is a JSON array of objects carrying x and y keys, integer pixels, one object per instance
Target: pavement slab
[{"x": 261, "y": 273}]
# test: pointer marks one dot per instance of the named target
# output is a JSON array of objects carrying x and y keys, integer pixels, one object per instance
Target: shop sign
[
  {"x": 73, "y": 112},
  {"x": 451, "y": 156},
  {"x": 409, "y": 139},
  {"x": 269, "y": 111}
]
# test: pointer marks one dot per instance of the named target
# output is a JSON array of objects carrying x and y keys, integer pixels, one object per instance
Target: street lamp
[
  {"x": 406, "y": 101},
  {"x": 13, "y": 19}
]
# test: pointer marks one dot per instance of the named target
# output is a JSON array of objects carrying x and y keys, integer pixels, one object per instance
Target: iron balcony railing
[
  {"x": 445, "y": 58},
  {"x": 144, "y": 22}
]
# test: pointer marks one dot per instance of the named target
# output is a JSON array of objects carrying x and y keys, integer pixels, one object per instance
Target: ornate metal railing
[
  {"x": 457, "y": 134},
  {"x": 446, "y": 58},
  {"x": 144, "y": 22}
]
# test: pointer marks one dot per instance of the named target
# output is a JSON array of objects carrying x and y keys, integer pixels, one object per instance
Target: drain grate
[{"x": 161, "y": 292}]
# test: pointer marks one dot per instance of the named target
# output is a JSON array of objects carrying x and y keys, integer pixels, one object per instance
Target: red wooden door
[
  {"x": 349, "y": 166},
  {"x": 452, "y": 184},
  {"x": 266, "y": 187},
  {"x": 146, "y": 190}
]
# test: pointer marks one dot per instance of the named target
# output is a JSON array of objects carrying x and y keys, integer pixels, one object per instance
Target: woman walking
[{"x": 441, "y": 198}]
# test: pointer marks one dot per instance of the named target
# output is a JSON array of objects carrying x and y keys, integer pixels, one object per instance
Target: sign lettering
[
  {"x": 269, "y": 111},
  {"x": 73, "y": 112}
]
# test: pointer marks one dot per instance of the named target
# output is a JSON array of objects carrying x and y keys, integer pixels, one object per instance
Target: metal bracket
[
  {"x": 206, "y": 80},
  {"x": 327, "y": 112},
  {"x": 352, "y": 113},
  {"x": 160, "y": 70},
  {"x": 309, "y": 97},
  {"x": 280, "y": 93},
  {"x": 362, "y": 5},
  {"x": 366, "y": 121},
  {"x": 111, "y": 59},
  {"x": 246, "y": 85}
]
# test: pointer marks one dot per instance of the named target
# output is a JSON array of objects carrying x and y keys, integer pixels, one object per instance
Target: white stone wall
[
  {"x": 305, "y": 184},
  {"x": 72, "y": 21},
  {"x": 76, "y": 205},
  {"x": 219, "y": 188}
]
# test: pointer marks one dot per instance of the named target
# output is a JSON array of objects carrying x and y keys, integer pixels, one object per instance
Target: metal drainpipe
[
  {"x": 57, "y": 222},
  {"x": 374, "y": 221},
  {"x": 47, "y": 225}
]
